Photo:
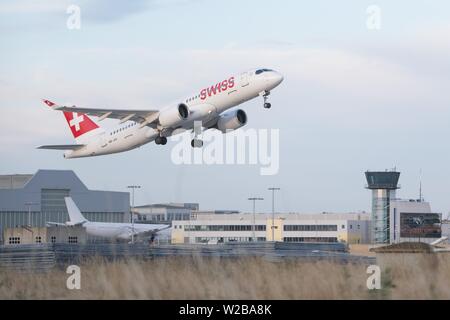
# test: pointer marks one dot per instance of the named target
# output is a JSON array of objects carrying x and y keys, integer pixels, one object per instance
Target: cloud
[
  {"x": 32, "y": 7},
  {"x": 99, "y": 11},
  {"x": 103, "y": 11}
]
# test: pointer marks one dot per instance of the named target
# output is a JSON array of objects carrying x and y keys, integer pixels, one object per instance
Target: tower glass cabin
[{"x": 383, "y": 185}]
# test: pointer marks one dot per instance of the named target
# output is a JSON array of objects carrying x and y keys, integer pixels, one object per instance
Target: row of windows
[
  {"x": 162, "y": 217},
  {"x": 227, "y": 239},
  {"x": 224, "y": 227},
  {"x": 73, "y": 239},
  {"x": 310, "y": 239},
  {"x": 313, "y": 227},
  {"x": 192, "y": 98},
  {"x": 123, "y": 128},
  {"x": 52, "y": 200},
  {"x": 38, "y": 239},
  {"x": 14, "y": 240}
]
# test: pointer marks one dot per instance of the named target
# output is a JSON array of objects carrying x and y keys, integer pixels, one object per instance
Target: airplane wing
[
  {"x": 121, "y": 114},
  {"x": 55, "y": 224},
  {"x": 62, "y": 147},
  {"x": 128, "y": 231},
  {"x": 68, "y": 224}
]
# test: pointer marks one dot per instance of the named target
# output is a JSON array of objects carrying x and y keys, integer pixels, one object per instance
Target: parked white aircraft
[
  {"x": 109, "y": 229},
  {"x": 138, "y": 127}
]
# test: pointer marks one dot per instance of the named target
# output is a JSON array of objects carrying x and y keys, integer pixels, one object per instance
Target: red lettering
[
  {"x": 203, "y": 94},
  {"x": 224, "y": 85},
  {"x": 231, "y": 83},
  {"x": 218, "y": 87},
  {"x": 211, "y": 91}
]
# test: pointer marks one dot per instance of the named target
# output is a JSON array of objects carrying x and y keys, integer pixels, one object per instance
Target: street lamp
[
  {"x": 254, "y": 199},
  {"x": 29, "y": 204},
  {"x": 273, "y": 189},
  {"x": 133, "y": 187}
]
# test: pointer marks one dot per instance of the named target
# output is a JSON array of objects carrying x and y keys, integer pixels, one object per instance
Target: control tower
[{"x": 383, "y": 185}]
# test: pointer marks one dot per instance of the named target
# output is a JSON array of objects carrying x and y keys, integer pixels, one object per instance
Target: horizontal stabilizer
[
  {"x": 55, "y": 224},
  {"x": 62, "y": 147}
]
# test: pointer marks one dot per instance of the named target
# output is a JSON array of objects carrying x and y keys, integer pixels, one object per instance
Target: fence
[{"x": 43, "y": 257}]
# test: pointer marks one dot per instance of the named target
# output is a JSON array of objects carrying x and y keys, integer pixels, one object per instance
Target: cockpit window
[{"x": 262, "y": 70}]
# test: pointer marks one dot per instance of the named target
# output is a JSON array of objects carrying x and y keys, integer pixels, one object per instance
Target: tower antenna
[{"x": 420, "y": 185}]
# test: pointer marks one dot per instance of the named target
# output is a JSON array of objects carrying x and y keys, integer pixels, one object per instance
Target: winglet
[{"x": 51, "y": 104}]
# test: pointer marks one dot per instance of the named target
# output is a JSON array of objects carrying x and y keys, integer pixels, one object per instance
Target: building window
[
  {"x": 52, "y": 200},
  {"x": 310, "y": 239},
  {"x": 224, "y": 227},
  {"x": 343, "y": 226},
  {"x": 14, "y": 240},
  {"x": 73, "y": 239},
  {"x": 38, "y": 239},
  {"x": 53, "y": 239},
  {"x": 305, "y": 227}
]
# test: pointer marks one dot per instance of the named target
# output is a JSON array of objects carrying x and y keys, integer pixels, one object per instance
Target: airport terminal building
[
  {"x": 164, "y": 212},
  {"x": 350, "y": 228},
  {"x": 32, "y": 200}
]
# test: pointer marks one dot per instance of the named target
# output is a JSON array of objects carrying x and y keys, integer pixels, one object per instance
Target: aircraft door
[
  {"x": 103, "y": 140},
  {"x": 244, "y": 79}
]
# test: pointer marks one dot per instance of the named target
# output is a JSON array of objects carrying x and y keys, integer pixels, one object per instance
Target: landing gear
[
  {"x": 196, "y": 143},
  {"x": 161, "y": 140},
  {"x": 197, "y": 130},
  {"x": 265, "y": 96}
]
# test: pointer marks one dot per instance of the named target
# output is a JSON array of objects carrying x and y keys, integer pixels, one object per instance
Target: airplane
[
  {"x": 124, "y": 231},
  {"x": 137, "y": 127}
]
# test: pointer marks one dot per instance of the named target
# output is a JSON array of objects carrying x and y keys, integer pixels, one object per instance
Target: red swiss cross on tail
[{"x": 79, "y": 123}]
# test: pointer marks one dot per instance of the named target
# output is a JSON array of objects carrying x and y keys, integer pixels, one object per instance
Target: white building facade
[
  {"x": 293, "y": 227},
  {"x": 413, "y": 221}
]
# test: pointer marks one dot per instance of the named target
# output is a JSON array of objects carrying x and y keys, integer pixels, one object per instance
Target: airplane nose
[
  {"x": 278, "y": 77},
  {"x": 274, "y": 78}
]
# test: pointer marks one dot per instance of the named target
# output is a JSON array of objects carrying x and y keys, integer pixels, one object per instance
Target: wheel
[
  {"x": 161, "y": 140},
  {"x": 267, "y": 105},
  {"x": 196, "y": 143}
]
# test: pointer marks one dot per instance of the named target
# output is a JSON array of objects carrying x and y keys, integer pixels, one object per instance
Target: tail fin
[
  {"x": 79, "y": 123},
  {"x": 75, "y": 215}
]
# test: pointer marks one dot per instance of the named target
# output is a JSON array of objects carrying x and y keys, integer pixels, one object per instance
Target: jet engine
[
  {"x": 173, "y": 117},
  {"x": 231, "y": 120}
]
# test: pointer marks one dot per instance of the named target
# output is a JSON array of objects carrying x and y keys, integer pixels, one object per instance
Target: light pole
[
  {"x": 133, "y": 187},
  {"x": 273, "y": 210},
  {"x": 254, "y": 199},
  {"x": 29, "y": 204}
]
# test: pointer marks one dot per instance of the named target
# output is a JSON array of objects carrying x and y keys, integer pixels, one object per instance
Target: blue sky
[{"x": 353, "y": 99}]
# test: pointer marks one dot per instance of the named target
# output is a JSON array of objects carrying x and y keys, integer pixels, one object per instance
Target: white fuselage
[
  {"x": 120, "y": 230},
  {"x": 210, "y": 102}
]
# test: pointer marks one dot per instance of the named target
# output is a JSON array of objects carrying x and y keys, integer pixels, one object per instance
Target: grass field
[{"x": 403, "y": 277}]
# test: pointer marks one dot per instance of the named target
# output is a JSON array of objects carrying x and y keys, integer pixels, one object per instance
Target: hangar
[{"x": 33, "y": 199}]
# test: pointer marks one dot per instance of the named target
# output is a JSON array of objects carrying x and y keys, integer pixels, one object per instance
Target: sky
[{"x": 354, "y": 98}]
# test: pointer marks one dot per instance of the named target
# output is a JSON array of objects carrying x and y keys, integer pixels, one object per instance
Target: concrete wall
[{"x": 26, "y": 235}]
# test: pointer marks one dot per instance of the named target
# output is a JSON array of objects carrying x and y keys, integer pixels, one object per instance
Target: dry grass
[{"x": 252, "y": 278}]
